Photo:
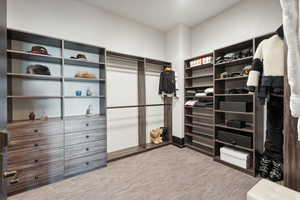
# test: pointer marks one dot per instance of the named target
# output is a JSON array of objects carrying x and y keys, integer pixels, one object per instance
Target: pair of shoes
[{"x": 270, "y": 169}]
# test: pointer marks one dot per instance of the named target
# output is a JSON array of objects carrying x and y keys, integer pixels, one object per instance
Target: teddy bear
[{"x": 156, "y": 136}]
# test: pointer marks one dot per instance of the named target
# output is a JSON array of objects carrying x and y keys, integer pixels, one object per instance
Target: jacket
[
  {"x": 167, "y": 83},
  {"x": 291, "y": 22}
]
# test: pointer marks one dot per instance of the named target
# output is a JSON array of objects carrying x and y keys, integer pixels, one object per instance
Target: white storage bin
[{"x": 235, "y": 157}]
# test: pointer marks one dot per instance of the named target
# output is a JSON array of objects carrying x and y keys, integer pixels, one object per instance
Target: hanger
[{"x": 167, "y": 68}]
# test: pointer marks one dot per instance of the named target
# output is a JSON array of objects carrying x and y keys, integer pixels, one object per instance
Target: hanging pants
[{"x": 274, "y": 139}]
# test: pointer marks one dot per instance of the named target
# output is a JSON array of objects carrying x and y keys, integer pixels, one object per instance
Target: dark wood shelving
[
  {"x": 200, "y": 124},
  {"x": 200, "y": 86},
  {"x": 200, "y": 76},
  {"x": 201, "y": 150},
  {"x": 199, "y": 116},
  {"x": 203, "y": 97},
  {"x": 249, "y": 171},
  {"x": 248, "y": 130},
  {"x": 235, "y": 146},
  {"x": 233, "y": 112},
  {"x": 34, "y": 76},
  {"x": 84, "y": 79},
  {"x": 233, "y": 95},
  {"x": 199, "y": 66},
  {"x": 199, "y": 134},
  {"x": 231, "y": 78},
  {"x": 24, "y": 55},
  {"x": 235, "y": 62},
  {"x": 86, "y": 63}
]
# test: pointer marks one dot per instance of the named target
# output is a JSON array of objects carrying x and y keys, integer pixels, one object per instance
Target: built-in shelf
[
  {"x": 199, "y": 135},
  {"x": 200, "y": 66},
  {"x": 249, "y": 171},
  {"x": 200, "y": 97},
  {"x": 34, "y": 76},
  {"x": 207, "y": 152},
  {"x": 232, "y": 95},
  {"x": 34, "y": 97},
  {"x": 200, "y": 124},
  {"x": 86, "y": 63},
  {"x": 234, "y": 112},
  {"x": 200, "y": 86},
  {"x": 232, "y": 78},
  {"x": 235, "y": 62},
  {"x": 248, "y": 130},
  {"x": 199, "y": 116},
  {"x": 235, "y": 146},
  {"x": 200, "y": 76},
  {"x": 24, "y": 55},
  {"x": 84, "y": 79}
]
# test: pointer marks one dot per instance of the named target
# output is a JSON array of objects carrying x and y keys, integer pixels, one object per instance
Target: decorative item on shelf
[
  {"x": 44, "y": 116},
  {"x": 156, "y": 136},
  {"x": 89, "y": 110},
  {"x": 38, "y": 69},
  {"x": 79, "y": 57},
  {"x": 39, "y": 50},
  {"x": 89, "y": 92},
  {"x": 201, "y": 61},
  {"x": 85, "y": 75},
  {"x": 31, "y": 116},
  {"x": 164, "y": 135},
  {"x": 78, "y": 93},
  {"x": 230, "y": 75},
  {"x": 246, "y": 70},
  {"x": 224, "y": 75}
]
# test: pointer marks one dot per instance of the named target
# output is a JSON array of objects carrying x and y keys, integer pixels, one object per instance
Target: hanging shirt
[{"x": 167, "y": 83}]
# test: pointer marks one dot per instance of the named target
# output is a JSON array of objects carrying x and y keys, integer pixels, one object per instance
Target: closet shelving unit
[
  {"x": 199, "y": 127},
  {"x": 124, "y": 61},
  {"x": 253, "y": 118}
]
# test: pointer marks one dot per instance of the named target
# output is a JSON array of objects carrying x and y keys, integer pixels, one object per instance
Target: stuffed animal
[{"x": 156, "y": 136}]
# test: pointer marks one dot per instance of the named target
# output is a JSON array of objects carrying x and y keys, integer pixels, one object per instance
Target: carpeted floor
[{"x": 167, "y": 173}]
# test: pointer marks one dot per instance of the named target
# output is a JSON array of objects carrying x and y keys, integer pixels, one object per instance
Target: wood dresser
[{"x": 46, "y": 151}]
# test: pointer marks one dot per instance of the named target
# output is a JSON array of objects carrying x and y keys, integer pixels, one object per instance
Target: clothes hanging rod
[{"x": 137, "y": 106}]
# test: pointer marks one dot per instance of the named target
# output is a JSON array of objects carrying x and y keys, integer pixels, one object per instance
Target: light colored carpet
[{"x": 168, "y": 173}]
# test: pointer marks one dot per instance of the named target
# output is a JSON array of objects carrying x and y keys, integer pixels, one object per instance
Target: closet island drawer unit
[{"x": 85, "y": 140}]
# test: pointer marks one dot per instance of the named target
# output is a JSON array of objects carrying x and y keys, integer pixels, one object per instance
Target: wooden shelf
[
  {"x": 235, "y": 146},
  {"x": 200, "y": 76},
  {"x": 84, "y": 79},
  {"x": 231, "y": 78},
  {"x": 233, "y": 112},
  {"x": 34, "y": 76},
  {"x": 84, "y": 97},
  {"x": 200, "y": 86},
  {"x": 203, "y": 108},
  {"x": 199, "y": 116},
  {"x": 199, "y": 135},
  {"x": 248, "y": 130},
  {"x": 34, "y": 97},
  {"x": 236, "y": 62},
  {"x": 200, "y": 66},
  {"x": 86, "y": 63},
  {"x": 233, "y": 95},
  {"x": 209, "y": 153},
  {"x": 24, "y": 55},
  {"x": 199, "y": 124}
]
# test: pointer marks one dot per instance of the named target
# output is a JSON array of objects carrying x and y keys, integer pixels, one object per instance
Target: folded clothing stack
[
  {"x": 190, "y": 103},
  {"x": 198, "y": 103},
  {"x": 190, "y": 93}
]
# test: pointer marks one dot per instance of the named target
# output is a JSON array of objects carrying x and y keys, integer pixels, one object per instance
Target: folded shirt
[
  {"x": 209, "y": 91},
  {"x": 200, "y": 94}
]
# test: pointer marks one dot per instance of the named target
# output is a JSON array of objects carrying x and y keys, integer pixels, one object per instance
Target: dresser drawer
[
  {"x": 85, "y": 137},
  {"x": 17, "y": 159},
  {"x": 84, "y": 164},
  {"x": 35, "y": 176},
  {"x": 86, "y": 149},
  {"x": 41, "y": 143},
  {"x": 31, "y": 130},
  {"x": 84, "y": 124}
]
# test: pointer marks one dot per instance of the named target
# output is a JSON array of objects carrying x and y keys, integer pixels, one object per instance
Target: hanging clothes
[
  {"x": 291, "y": 23},
  {"x": 167, "y": 83}
]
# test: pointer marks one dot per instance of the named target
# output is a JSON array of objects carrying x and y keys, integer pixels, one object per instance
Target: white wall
[
  {"x": 75, "y": 21},
  {"x": 245, "y": 20},
  {"x": 178, "y": 47}
]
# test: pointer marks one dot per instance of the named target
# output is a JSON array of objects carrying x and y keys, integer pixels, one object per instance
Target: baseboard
[{"x": 179, "y": 142}]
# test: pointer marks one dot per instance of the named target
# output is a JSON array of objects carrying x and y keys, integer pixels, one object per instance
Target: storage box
[
  {"x": 236, "y": 106},
  {"x": 235, "y": 138},
  {"x": 235, "y": 157}
]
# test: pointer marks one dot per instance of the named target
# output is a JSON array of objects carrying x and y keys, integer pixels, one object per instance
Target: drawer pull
[
  {"x": 87, "y": 149},
  {"x": 87, "y": 124},
  {"x": 87, "y": 136},
  {"x": 36, "y": 161},
  {"x": 36, "y": 145},
  {"x": 87, "y": 163},
  {"x": 36, "y": 130}
]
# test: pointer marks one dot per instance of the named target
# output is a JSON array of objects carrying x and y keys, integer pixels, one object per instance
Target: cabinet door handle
[
  {"x": 87, "y": 149},
  {"x": 36, "y": 145},
  {"x": 87, "y": 124},
  {"x": 87, "y": 136},
  {"x": 36, "y": 130}
]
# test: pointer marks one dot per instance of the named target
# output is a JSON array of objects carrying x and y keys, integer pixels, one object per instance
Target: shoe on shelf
[
  {"x": 265, "y": 165},
  {"x": 276, "y": 173}
]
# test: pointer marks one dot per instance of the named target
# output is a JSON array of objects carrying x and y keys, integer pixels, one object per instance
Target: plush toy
[{"x": 156, "y": 136}]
